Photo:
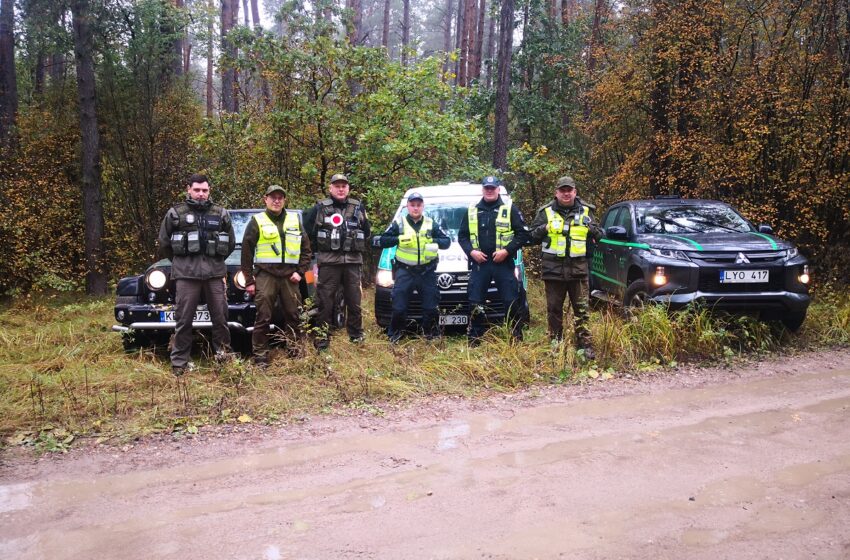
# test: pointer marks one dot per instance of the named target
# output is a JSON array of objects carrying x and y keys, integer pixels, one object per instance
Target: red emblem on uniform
[{"x": 336, "y": 220}]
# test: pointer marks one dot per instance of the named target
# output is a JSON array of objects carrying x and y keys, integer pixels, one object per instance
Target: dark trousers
[
  {"x": 506, "y": 283},
  {"x": 186, "y": 302},
  {"x": 270, "y": 289},
  {"x": 556, "y": 293},
  {"x": 423, "y": 281},
  {"x": 345, "y": 277}
]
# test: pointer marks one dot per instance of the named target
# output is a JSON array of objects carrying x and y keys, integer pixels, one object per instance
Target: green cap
[
  {"x": 565, "y": 181},
  {"x": 275, "y": 188},
  {"x": 339, "y": 177}
]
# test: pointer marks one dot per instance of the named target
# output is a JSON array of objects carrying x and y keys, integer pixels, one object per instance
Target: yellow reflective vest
[
  {"x": 504, "y": 232},
  {"x": 269, "y": 246},
  {"x": 557, "y": 245},
  {"x": 416, "y": 248}
]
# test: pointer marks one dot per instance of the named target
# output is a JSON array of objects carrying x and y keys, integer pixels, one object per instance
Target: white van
[{"x": 446, "y": 205}]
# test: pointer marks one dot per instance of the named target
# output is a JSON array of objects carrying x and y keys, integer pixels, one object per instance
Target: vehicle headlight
[
  {"x": 384, "y": 278},
  {"x": 670, "y": 254},
  {"x": 791, "y": 253},
  {"x": 156, "y": 280},
  {"x": 239, "y": 280}
]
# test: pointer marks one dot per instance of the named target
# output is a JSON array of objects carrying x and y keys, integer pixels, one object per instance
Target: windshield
[
  {"x": 448, "y": 216},
  {"x": 703, "y": 218},
  {"x": 240, "y": 222}
]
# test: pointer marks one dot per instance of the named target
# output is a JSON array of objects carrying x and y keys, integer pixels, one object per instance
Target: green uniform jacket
[
  {"x": 554, "y": 267},
  {"x": 283, "y": 270}
]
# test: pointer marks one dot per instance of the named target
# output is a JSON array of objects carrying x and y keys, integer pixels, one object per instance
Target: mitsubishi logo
[
  {"x": 445, "y": 281},
  {"x": 742, "y": 259}
]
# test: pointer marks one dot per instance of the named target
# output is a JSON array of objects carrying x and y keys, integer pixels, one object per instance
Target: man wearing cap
[
  {"x": 275, "y": 256},
  {"x": 562, "y": 226},
  {"x": 340, "y": 228},
  {"x": 197, "y": 236},
  {"x": 418, "y": 238},
  {"x": 490, "y": 234}
]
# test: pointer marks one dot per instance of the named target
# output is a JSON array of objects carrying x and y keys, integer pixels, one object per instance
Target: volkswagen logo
[{"x": 445, "y": 281}]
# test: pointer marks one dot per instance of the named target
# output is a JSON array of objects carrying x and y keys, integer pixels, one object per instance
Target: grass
[{"x": 63, "y": 373}]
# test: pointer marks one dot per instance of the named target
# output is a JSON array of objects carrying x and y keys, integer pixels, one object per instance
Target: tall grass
[{"x": 63, "y": 373}]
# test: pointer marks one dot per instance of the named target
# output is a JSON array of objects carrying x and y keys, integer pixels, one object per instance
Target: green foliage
[{"x": 336, "y": 108}]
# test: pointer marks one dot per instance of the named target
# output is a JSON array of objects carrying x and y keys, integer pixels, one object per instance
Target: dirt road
[{"x": 743, "y": 462}]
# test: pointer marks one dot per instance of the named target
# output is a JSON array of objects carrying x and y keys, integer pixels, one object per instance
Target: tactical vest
[
  {"x": 348, "y": 236},
  {"x": 416, "y": 248},
  {"x": 504, "y": 232},
  {"x": 196, "y": 233},
  {"x": 269, "y": 245},
  {"x": 557, "y": 245}
]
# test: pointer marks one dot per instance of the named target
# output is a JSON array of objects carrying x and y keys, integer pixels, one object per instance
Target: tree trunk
[
  {"x": 459, "y": 32},
  {"x": 568, "y": 10},
  {"x": 447, "y": 36},
  {"x": 245, "y": 11},
  {"x": 258, "y": 29},
  {"x": 479, "y": 43},
  {"x": 491, "y": 48},
  {"x": 8, "y": 78},
  {"x": 90, "y": 139},
  {"x": 210, "y": 48},
  {"x": 229, "y": 15},
  {"x": 178, "y": 62},
  {"x": 385, "y": 33},
  {"x": 503, "y": 85},
  {"x": 405, "y": 32},
  {"x": 355, "y": 31},
  {"x": 466, "y": 46}
]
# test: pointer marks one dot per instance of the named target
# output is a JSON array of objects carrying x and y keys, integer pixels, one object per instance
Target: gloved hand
[{"x": 376, "y": 241}]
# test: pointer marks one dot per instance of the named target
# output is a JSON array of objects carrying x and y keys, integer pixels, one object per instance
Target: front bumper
[
  {"x": 146, "y": 317},
  {"x": 791, "y": 302},
  {"x": 452, "y": 302}
]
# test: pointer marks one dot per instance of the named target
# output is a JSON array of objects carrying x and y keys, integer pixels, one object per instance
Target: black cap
[
  {"x": 339, "y": 177},
  {"x": 491, "y": 181},
  {"x": 415, "y": 196}
]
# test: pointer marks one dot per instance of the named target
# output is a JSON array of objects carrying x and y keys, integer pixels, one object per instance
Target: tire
[
  {"x": 793, "y": 321},
  {"x": 636, "y": 295}
]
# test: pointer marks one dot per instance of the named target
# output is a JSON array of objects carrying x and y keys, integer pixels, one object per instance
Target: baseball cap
[
  {"x": 275, "y": 188},
  {"x": 490, "y": 181},
  {"x": 565, "y": 181},
  {"x": 415, "y": 196},
  {"x": 339, "y": 177}
]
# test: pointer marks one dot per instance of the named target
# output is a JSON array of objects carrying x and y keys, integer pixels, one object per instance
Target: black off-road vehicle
[{"x": 678, "y": 251}]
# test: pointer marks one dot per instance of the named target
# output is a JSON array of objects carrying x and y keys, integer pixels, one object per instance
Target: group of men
[{"x": 278, "y": 245}]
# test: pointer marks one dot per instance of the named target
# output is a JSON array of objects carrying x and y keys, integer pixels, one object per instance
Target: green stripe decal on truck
[
  {"x": 772, "y": 242},
  {"x": 598, "y": 275},
  {"x": 696, "y": 245},
  {"x": 625, "y": 243}
]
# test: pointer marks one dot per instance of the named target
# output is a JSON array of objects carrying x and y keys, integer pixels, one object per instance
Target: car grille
[
  {"x": 731, "y": 257},
  {"x": 709, "y": 281}
]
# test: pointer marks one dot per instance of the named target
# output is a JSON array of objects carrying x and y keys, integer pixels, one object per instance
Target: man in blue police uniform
[
  {"x": 491, "y": 233},
  {"x": 418, "y": 238}
]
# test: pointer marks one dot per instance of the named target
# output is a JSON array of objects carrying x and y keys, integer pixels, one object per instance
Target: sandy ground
[{"x": 747, "y": 461}]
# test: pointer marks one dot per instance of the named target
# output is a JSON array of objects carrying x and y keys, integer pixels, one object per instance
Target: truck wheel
[
  {"x": 636, "y": 294},
  {"x": 793, "y": 321}
]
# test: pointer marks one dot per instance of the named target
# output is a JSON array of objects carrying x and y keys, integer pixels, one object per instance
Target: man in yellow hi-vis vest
[
  {"x": 275, "y": 256},
  {"x": 418, "y": 238},
  {"x": 563, "y": 226}
]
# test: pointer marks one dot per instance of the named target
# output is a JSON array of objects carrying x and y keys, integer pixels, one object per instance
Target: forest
[{"x": 107, "y": 106}]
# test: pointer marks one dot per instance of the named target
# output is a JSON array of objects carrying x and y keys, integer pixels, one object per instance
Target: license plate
[
  {"x": 200, "y": 315},
  {"x": 744, "y": 276},
  {"x": 453, "y": 319}
]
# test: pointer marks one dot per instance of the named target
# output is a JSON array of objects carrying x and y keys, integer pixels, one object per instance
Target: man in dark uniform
[
  {"x": 418, "y": 238},
  {"x": 197, "y": 236},
  {"x": 562, "y": 226},
  {"x": 340, "y": 228},
  {"x": 275, "y": 256},
  {"x": 490, "y": 234}
]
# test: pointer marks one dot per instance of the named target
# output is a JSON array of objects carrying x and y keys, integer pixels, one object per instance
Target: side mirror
[
  {"x": 764, "y": 228},
  {"x": 616, "y": 232}
]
